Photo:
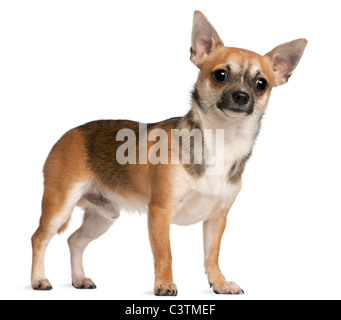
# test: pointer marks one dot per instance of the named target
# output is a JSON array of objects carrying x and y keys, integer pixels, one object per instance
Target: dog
[{"x": 96, "y": 168}]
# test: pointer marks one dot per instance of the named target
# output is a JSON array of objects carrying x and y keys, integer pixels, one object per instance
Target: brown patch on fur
[
  {"x": 237, "y": 169},
  {"x": 101, "y": 147},
  {"x": 190, "y": 122}
]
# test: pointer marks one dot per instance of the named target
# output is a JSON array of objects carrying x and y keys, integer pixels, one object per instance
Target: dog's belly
[
  {"x": 203, "y": 200},
  {"x": 110, "y": 204}
]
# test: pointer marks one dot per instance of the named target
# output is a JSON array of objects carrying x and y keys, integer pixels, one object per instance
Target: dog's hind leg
[
  {"x": 66, "y": 178},
  {"x": 56, "y": 213},
  {"x": 94, "y": 225}
]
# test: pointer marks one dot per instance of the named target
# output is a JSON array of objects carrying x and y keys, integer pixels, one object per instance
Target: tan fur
[
  {"x": 65, "y": 166},
  {"x": 219, "y": 58},
  {"x": 218, "y": 224}
]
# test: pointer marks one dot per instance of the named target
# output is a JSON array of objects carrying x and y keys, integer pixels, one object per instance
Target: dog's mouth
[
  {"x": 231, "y": 114},
  {"x": 230, "y": 110}
]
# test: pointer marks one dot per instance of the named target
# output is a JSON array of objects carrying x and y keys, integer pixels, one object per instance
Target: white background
[{"x": 64, "y": 63}]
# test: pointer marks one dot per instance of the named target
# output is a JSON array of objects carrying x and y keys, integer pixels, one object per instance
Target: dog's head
[{"x": 234, "y": 83}]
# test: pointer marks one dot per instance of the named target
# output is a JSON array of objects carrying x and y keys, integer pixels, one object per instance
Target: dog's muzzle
[{"x": 237, "y": 101}]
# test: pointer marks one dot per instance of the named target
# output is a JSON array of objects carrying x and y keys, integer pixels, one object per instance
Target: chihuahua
[{"x": 98, "y": 169}]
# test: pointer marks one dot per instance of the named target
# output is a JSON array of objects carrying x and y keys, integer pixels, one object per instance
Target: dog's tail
[{"x": 64, "y": 226}]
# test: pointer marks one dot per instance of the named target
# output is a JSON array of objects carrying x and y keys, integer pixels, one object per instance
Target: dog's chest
[{"x": 210, "y": 195}]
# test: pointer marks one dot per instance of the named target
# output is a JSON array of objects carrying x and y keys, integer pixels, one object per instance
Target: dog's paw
[
  {"x": 43, "y": 285},
  {"x": 165, "y": 289},
  {"x": 85, "y": 283},
  {"x": 224, "y": 287}
]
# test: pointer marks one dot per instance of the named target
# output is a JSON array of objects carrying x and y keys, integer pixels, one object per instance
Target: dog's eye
[
  {"x": 220, "y": 75},
  {"x": 261, "y": 85}
]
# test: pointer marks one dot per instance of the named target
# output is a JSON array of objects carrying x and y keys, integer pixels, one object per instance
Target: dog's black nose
[{"x": 241, "y": 97}]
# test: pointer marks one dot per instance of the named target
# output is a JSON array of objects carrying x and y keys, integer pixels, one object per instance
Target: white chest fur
[{"x": 201, "y": 198}]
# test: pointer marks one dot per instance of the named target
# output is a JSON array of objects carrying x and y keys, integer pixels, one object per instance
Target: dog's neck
[
  {"x": 239, "y": 137},
  {"x": 247, "y": 127}
]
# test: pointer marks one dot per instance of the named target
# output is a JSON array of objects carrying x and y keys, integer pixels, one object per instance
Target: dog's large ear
[
  {"x": 285, "y": 59},
  {"x": 205, "y": 39}
]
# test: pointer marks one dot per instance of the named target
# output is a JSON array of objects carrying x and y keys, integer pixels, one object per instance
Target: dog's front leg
[
  {"x": 213, "y": 232},
  {"x": 159, "y": 233}
]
